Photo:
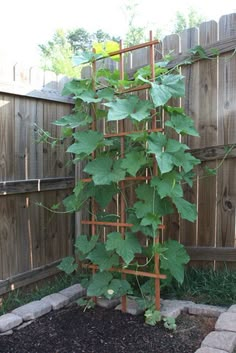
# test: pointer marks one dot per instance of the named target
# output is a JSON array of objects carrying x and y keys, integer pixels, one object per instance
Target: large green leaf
[
  {"x": 175, "y": 84},
  {"x": 131, "y": 107},
  {"x": 68, "y": 265},
  {"x": 104, "y": 171},
  {"x": 174, "y": 258},
  {"x": 151, "y": 203},
  {"x": 85, "y": 57},
  {"x": 182, "y": 124},
  {"x": 87, "y": 142},
  {"x": 167, "y": 86},
  {"x": 133, "y": 161},
  {"x": 186, "y": 209},
  {"x": 89, "y": 96},
  {"x": 156, "y": 142},
  {"x": 99, "y": 284},
  {"x": 74, "y": 120},
  {"x": 103, "y": 193},
  {"x": 185, "y": 160},
  {"x": 103, "y": 258},
  {"x": 126, "y": 247},
  {"x": 168, "y": 185},
  {"x": 85, "y": 245},
  {"x": 76, "y": 87}
]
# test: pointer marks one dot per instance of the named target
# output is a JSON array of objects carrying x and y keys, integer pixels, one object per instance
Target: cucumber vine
[{"x": 106, "y": 168}]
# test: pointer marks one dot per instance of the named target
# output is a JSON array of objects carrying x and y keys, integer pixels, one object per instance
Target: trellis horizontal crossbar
[
  {"x": 87, "y": 180},
  {"x": 115, "y": 224},
  {"x": 129, "y": 272},
  {"x": 127, "y": 133}
]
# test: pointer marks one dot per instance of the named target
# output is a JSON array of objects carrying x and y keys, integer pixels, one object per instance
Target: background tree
[
  {"x": 191, "y": 19},
  {"x": 56, "y": 55},
  {"x": 135, "y": 34}
]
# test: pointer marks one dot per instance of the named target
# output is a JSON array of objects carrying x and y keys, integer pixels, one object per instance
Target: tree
[
  {"x": 56, "y": 54},
  {"x": 135, "y": 34},
  {"x": 191, "y": 19}
]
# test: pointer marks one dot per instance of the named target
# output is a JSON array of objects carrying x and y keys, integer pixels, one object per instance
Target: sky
[{"x": 26, "y": 23}]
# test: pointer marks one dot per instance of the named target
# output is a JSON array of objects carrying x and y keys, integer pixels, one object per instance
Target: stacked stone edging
[{"x": 222, "y": 340}]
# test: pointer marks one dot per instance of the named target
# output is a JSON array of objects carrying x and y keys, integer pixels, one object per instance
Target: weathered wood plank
[
  {"x": 8, "y": 226},
  {"x": 46, "y": 94},
  {"x": 35, "y": 185},
  {"x": 26, "y": 278},
  {"x": 207, "y": 126},
  {"x": 227, "y": 254},
  {"x": 213, "y": 153},
  {"x": 189, "y": 39},
  {"x": 50, "y": 165},
  {"x": 7, "y": 141},
  {"x": 171, "y": 44},
  {"x": 226, "y": 187}
]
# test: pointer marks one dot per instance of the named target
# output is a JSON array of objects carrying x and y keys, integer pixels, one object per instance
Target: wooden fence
[
  {"x": 32, "y": 239},
  {"x": 211, "y": 101}
]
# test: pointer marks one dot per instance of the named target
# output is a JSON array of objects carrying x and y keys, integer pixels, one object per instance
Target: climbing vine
[{"x": 105, "y": 168}]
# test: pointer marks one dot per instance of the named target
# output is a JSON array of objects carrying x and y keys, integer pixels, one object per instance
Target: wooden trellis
[{"x": 121, "y": 133}]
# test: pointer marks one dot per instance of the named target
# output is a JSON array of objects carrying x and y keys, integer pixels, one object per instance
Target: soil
[{"x": 99, "y": 330}]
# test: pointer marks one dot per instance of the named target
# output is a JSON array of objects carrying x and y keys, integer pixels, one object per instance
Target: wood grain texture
[
  {"x": 171, "y": 45},
  {"x": 7, "y": 141},
  {"x": 226, "y": 188},
  {"x": 35, "y": 185},
  {"x": 207, "y": 126},
  {"x": 189, "y": 39}
]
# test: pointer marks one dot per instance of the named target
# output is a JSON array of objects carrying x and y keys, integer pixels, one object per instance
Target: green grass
[
  {"x": 205, "y": 286},
  {"x": 20, "y": 296}
]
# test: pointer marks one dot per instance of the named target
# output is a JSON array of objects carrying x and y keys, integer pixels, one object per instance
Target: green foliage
[
  {"x": 169, "y": 322},
  {"x": 173, "y": 257},
  {"x": 192, "y": 18},
  {"x": 57, "y": 54},
  {"x": 152, "y": 317},
  {"x": 126, "y": 248},
  {"x": 106, "y": 166},
  {"x": 68, "y": 265}
]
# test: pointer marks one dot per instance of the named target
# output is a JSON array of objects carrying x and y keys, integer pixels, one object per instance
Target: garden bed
[{"x": 99, "y": 330}]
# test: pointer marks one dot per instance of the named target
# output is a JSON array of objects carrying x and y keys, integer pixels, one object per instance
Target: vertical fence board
[
  {"x": 7, "y": 141},
  {"x": 208, "y": 129},
  {"x": 189, "y": 39},
  {"x": 171, "y": 45},
  {"x": 226, "y": 188},
  {"x": 7, "y": 237}
]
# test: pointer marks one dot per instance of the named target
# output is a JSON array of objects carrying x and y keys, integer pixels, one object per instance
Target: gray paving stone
[
  {"x": 221, "y": 340},
  {"x": 9, "y": 321},
  {"x": 232, "y": 309},
  {"x": 207, "y": 310},
  {"x": 25, "y": 324},
  {"x": 210, "y": 350},
  {"x": 108, "y": 303},
  {"x": 132, "y": 307},
  {"x": 33, "y": 310},
  {"x": 56, "y": 300},
  {"x": 226, "y": 322},
  {"x": 173, "y": 308},
  {"x": 7, "y": 333},
  {"x": 73, "y": 292}
]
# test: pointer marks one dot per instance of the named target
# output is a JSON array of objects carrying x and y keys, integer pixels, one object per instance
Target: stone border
[{"x": 222, "y": 340}]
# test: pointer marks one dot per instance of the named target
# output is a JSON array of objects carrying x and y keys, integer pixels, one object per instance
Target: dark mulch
[{"x": 98, "y": 330}]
